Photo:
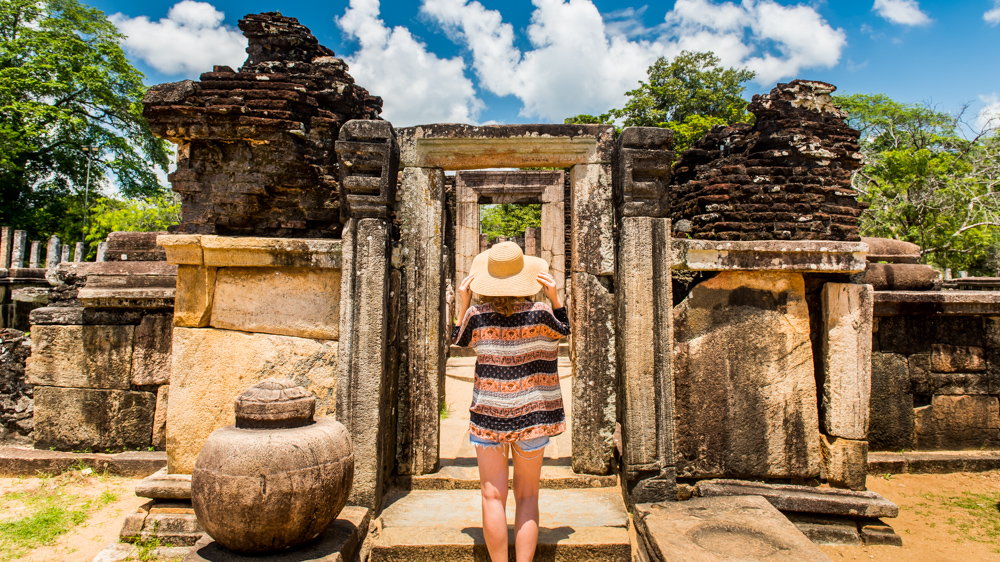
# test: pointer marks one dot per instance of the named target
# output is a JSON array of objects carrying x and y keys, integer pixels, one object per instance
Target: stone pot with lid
[{"x": 275, "y": 479}]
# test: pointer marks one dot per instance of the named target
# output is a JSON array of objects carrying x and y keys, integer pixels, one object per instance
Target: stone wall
[
  {"x": 100, "y": 362},
  {"x": 787, "y": 177},
  {"x": 16, "y": 402},
  {"x": 255, "y": 148}
]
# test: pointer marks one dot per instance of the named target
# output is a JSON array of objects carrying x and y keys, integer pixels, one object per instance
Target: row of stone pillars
[{"x": 15, "y": 247}]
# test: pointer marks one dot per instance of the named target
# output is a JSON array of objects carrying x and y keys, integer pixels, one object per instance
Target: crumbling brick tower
[
  {"x": 255, "y": 152},
  {"x": 787, "y": 177}
]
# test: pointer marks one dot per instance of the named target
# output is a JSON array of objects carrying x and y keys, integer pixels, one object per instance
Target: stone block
[
  {"x": 925, "y": 382},
  {"x": 163, "y": 486},
  {"x": 827, "y": 530},
  {"x": 847, "y": 363},
  {"x": 18, "y": 249},
  {"x": 746, "y": 398},
  {"x": 38, "y": 296},
  {"x": 80, "y": 418},
  {"x": 804, "y": 256},
  {"x": 6, "y": 244},
  {"x": 134, "y": 246},
  {"x": 74, "y": 315},
  {"x": 151, "y": 351},
  {"x": 211, "y": 367},
  {"x": 182, "y": 248},
  {"x": 805, "y": 499},
  {"x": 877, "y": 533},
  {"x": 194, "y": 296},
  {"x": 958, "y": 422},
  {"x": 368, "y": 156},
  {"x": 290, "y": 301},
  {"x": 845, "y": 462},
  {"x": 900, "y": 277},
  {"x": 594, "y": 389},
  {"x": 891, "y": 418},
  {"x": 81, "y": 356},
  {"x": 160, "y": 418},
  {"x": 246, "y": 251},
  {"x": 718, "y": 528},
  {"x": 957, "y": 359},
  {"x": 891, "y": 251},
  {"x": 992, "y": 332}
]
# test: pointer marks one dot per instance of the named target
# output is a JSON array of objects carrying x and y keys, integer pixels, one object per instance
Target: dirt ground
[
  {"x": 101, "y": 501},
  {"x": 942, "y": 517}
]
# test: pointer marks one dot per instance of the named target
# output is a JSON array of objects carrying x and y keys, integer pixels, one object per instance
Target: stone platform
[{"x": 431, "y": 526}]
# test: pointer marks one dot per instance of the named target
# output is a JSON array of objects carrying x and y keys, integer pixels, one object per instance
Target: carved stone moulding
[{"x": 368, "y": 155}]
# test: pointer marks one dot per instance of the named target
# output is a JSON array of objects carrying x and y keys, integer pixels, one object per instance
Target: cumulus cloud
[
  {"x": 581, "y": 62},
  {"x": 989, "y": 114},
  {"x": 416, "y": 85},
  {"x": 190, "y": 40},
  {"x": 903, "y": 12},
  {"x": 992, "y": 17}
]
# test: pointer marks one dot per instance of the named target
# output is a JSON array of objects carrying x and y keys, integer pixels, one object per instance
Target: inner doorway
[{"x": 479, "y": 195}]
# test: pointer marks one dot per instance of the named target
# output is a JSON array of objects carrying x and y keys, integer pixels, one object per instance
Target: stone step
[
  {"x": 436, "y": 525},
  {"x": 467, "y": 478}
]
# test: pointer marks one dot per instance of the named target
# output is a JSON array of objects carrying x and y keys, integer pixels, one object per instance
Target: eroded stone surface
[
  {"x": 958, "y": 422},
  {"x": 845, "y": 462},
  {"x": 211, "y": 367},
  {"x": 954, "y": 359},
  {"x": 900, "y": 276},
  {"x": 891, "y": 420},
  {"x": 805, "y": 499},
  {"x": 847, "y": 363},
  {"x": 81, "y": 356},
  {"x": 79, "y": 418},
  {"x": 151, "y": 351},
  {"x": 743, "y": 368}
]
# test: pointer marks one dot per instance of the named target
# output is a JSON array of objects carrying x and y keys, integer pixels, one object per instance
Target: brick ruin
[
  {"x": 786, "y": 177},
  {"x": 255, "y": 147}
]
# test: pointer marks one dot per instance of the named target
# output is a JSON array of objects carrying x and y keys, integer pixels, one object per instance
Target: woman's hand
[
  {"x": 549, "y": 286},
  {"x": 464, "y": 296}
]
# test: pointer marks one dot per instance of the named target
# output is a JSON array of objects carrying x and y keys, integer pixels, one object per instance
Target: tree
[
  {"x": 689, "y": 94},
  {"x": 509, "y": 219},
  {"x": 928, "y": 183},
  {"x": 65, "y": 84},
  {"x": 110, "y": 214}
]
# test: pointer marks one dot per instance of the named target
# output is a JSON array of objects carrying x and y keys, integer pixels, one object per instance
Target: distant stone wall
[{"x": 787, "y": 177}]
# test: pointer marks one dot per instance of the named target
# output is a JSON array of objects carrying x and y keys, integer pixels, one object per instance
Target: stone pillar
[
  {"x": 17, "y": 249},
  {"x": 102, "y": 247},
  {"x": 52, "y": 253},
  {"x": 846, "y": 379},
  {"x": 78, "y": 255},
  {"x": 530, "y": 243},
  {"x": 592, "y": 346},
  {"x": 35, "y": 258},
  {"x": 423, "y": 325},
  {"x": 6, "y": 235},
  {"x": 484, "y": 244},
  {"x": 363, "y": 404},
  {"x": 645, "y": 351},
  {"x": 64, "y": 254}
]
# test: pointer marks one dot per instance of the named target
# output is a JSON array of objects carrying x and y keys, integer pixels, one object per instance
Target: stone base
[
  {"x": 717, "y": 529},
  {"x": 805, "y": 499},
  {"x": 339, "y": 543},
  {"x": 172, "y": 523},
  {"x": 163, "y": 486},
  {"x": 933, "y": 462}
]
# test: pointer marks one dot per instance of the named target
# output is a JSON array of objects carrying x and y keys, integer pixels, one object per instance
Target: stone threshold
[
  {"x": 15, "y": 461},
  {"x": 932, "y": 462},
  {"x": 803, "y": 256}
]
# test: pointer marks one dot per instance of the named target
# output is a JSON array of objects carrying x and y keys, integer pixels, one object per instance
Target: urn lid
[{"x": 274, "y": 404}]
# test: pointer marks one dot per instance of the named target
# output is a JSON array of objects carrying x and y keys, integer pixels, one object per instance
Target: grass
[
  {"x": 47, "y": 512},
  {"x": 445, "y": 410},
  {"x": 982, "y": 521}
]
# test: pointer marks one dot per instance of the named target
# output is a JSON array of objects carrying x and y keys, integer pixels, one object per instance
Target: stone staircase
[{"x": 438, "y": 517}]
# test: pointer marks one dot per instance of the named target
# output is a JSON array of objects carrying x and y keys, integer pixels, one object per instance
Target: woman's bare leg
[
  {"x": 493, "y": 475},
  {"x": 527, "y": 472}
]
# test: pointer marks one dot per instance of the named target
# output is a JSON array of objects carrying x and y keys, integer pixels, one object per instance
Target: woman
[{"x": 516, "y": 401}]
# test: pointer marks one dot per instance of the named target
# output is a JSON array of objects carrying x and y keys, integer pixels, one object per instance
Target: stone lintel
[
  {"x": 467, "y": 147},
  {"x": 803, "y": 256},
  {"x": 959, "y": 303},
  {"x": 125, "y": 297},
  {"x": 232, "y": 251}
]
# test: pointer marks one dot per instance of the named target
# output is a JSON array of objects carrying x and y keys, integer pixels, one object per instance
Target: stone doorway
[{"x": 583, "y": 267}]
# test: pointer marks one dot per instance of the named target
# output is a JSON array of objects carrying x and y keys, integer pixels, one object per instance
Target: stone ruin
[{"x": 723, "y": 319}]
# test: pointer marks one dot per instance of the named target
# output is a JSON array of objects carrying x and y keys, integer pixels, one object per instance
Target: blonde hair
[{"x": 504, "y": 305}]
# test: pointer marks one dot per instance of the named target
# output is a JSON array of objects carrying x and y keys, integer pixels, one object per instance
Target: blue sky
[{"x": 540, "y": 61}]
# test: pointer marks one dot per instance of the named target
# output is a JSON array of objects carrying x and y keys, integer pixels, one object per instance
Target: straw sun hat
[{"x": 504, "y": 271}]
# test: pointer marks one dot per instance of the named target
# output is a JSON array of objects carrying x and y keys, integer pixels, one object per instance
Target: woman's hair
[{"x": 504, "y": 305}]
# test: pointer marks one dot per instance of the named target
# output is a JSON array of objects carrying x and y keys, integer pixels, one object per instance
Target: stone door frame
[
  {"x": 522, "y": 187},
  {"x": 426, "y": 152}
]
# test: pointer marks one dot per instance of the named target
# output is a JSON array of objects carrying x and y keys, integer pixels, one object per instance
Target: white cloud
[
  {"x": 416, "y": 86},
  {"x": 190, "y": 40},
  {"x": 989, "y": 114},
  {"x": 903, "y": 12},
  {"x": 992, "y": 17},
  {"x": 582, "y": 63}
]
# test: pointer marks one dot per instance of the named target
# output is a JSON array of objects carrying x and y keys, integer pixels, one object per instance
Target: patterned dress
[{"x": 516, "y": 395}]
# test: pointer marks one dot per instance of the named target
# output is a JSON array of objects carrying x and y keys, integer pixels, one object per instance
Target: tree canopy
[
  {"x": 688, "y": 94},
  {"x": 927, "y": 182},
  {"x": 509, "y": 219},
  {"x": 66, "y": 84}
]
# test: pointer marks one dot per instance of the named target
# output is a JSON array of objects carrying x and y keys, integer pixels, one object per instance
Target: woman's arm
[{"x": 458, "y": 337}]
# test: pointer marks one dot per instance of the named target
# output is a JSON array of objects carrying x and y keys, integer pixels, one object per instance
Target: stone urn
[{"x": 275, "y": 479}]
